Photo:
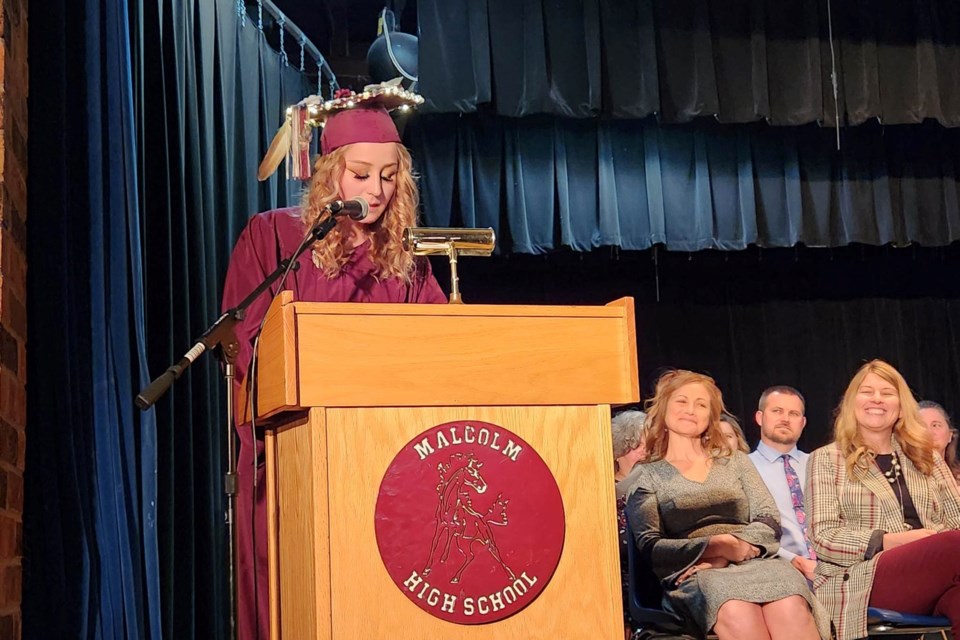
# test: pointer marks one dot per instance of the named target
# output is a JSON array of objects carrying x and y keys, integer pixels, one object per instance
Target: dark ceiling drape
[
  {"x": 733, "y": 60},
  {"x": 543, "y": 182},
  {"x": 584, "y": 123}
]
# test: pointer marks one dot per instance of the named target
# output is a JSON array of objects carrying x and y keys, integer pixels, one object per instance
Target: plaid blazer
[{"x": 843, "y": 511}]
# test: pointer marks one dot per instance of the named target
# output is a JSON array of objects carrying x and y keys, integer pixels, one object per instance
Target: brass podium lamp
[{"x": 425, "y": 241}]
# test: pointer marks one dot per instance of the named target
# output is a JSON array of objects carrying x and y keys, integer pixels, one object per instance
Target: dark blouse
[{"x": 899, "y": 487}]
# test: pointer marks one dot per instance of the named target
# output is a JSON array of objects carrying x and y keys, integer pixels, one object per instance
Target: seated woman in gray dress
[{"x": 708, "y": 527}]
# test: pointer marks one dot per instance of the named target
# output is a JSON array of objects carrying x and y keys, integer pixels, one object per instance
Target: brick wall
[{"x": 13, "y": 313}]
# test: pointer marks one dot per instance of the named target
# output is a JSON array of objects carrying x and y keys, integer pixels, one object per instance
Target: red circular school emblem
[{"x": 469, "y": 522}]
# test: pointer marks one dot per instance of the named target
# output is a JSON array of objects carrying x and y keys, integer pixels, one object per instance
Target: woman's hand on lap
[
  {"x": 732, "y": 548},
  {"x": 891, "y": 540}
]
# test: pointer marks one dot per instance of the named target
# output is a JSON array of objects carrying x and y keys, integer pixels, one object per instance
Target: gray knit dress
[{"x": 672, "y": 519}]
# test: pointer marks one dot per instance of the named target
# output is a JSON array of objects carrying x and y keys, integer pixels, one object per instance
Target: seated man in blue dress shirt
[{"x": 783, "y": 468}]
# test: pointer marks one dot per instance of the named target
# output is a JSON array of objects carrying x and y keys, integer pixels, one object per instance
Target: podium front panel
[{"x": 352, "y": 588}]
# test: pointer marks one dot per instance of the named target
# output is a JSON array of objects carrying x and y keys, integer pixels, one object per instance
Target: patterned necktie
[{"x": 796, "y": 497}]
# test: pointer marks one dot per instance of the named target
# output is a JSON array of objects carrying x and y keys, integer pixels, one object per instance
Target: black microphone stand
[{"x": 222, "y": 334}]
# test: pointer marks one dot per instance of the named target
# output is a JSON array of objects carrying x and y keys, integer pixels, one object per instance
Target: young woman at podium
[{"x": 358, "y": 261}]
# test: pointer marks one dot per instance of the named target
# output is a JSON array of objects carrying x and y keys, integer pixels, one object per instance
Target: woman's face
[
  {"x": 632, "y": 457},
  {"x": 940, "y": 431},
  {"x": 688, "y": 410},
  {"x": 732, "y": 439},
  {"x": 876, "y": 405},
  {"x": 370, "y": 173}
]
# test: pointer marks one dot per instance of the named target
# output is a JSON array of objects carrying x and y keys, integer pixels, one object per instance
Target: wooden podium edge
[
  {"x": 462, "y": 310},
  {"x": 273, "y": 521},
  {"x": 284, "y": 315},
  {"x": 633, "y": 364},
  {"x": 288, "y": 400}
]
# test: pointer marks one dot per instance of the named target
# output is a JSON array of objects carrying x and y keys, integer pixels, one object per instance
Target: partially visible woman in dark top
[
  {"x": 942, "y": 433},
  {"x": 628, "y": 450},
  {"x": 733, "y": 432}
]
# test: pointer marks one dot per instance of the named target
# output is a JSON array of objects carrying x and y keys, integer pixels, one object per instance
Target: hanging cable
[
  {"x": 242, "y": 13},
  {"x": 386, "y": 34},
  {"x": 833, "y": 73},
  {"x": 656, "y": 270},
  {"x": 303, "y": 48},
  {"x": 260, "y": 15}
]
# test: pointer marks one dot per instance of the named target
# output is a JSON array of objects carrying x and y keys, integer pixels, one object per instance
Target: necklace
[{"x": 893, "y": 475}]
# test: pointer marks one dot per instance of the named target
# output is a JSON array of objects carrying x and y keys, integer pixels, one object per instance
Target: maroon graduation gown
[{"x": 268, "y": 238}]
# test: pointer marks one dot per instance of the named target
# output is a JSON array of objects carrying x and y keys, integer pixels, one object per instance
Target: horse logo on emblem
[
  {"x": 458, "y": 523},
  {"x": 455, "y": 544}
]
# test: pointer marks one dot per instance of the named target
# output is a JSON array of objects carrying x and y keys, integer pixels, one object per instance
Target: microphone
[{"x": 355, "y": 208}]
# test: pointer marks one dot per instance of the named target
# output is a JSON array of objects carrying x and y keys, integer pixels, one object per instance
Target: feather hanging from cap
[{"x": 277, "y": 151}]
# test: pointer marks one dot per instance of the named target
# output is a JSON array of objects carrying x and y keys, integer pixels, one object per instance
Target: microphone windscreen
[{"x": 364, "y": 208}]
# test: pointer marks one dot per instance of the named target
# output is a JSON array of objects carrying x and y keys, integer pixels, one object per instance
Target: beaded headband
[{"x": 347, "y": 118}]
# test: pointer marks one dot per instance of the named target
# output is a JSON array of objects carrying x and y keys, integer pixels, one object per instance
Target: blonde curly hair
[
  {"x": 908, "y": 430},
  {"x": 386, "y": 234}
]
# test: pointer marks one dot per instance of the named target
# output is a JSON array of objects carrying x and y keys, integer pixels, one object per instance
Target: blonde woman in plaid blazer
[{"x": 882, "y": 509}]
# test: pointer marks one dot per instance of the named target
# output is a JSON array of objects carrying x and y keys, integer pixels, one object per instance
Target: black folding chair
[
  {"x": 884, "y": 622},
  {"x": 645, "y": 598}
]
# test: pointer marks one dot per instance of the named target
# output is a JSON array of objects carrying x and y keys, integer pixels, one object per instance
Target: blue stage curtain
[
  {"x": 91, "y": 565},
  {"x": 544, "y": 182},
  {"x": 148, "y": 119},
  {"x": 215, "y": 95},
  {"x": 736, "y": 60}
]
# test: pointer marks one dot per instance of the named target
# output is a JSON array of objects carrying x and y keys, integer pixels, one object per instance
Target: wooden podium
[{"x": 344, "y": 387}]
